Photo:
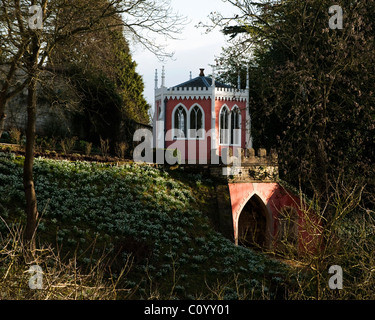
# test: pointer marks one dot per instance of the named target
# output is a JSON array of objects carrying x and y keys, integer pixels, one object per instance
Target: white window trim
[
  {"x": 203, "y": 123},
  {"x": 174, "y": 124},
  {"x": 188, "y": 112},
  {"x": 221, "y": 110},
  {"x": 240, "y": 125},
  {"x": 160, "y": 111},
  {"x": 230, "y": 126}
]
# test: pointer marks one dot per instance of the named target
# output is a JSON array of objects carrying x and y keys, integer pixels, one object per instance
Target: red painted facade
[
  {"x": 198, "y": 150},
  {"x": 195, "y": 148}
]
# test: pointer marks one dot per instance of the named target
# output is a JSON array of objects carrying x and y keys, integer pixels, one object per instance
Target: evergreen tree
[{"x": 104, "y": 74}]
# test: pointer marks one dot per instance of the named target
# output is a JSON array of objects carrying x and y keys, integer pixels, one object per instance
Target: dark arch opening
[{"x": 252, "y": 224}]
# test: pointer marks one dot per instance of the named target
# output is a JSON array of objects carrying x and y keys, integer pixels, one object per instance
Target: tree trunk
[
  {"x": 2, "y": 114},
  {"x": 28, "y": 179}
]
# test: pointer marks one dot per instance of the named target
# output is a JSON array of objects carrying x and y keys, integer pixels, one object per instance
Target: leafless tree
[{"x": 30, "y": 34}]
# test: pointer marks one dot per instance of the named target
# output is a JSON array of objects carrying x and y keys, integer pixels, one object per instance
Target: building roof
[{"x": 201, "y": 82}]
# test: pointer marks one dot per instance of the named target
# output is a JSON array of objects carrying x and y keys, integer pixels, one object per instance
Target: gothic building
[{"x": 200, "y": 117}]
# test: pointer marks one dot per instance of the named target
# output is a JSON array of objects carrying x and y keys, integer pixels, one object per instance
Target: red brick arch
[{"x": 275, "y": 198}]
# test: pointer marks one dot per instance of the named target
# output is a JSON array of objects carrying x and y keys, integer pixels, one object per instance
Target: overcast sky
[{"x": 195, "y": 49}]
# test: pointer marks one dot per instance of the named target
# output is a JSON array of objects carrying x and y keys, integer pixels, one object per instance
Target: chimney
[{"x": 202, "y": 72}]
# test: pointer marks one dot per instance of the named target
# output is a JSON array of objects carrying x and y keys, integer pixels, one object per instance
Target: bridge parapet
[
  {"x": 260, "y": 167},
  {"x": 249, "y": 156}
]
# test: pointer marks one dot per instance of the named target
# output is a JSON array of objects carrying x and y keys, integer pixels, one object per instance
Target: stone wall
[
  {"x": 253, "y": 167},
  {"x": 50, "y": 119}
]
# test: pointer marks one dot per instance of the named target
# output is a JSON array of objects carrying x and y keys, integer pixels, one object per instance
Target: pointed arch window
[
  {"x": 196, "y": 123},
  {"x": 180, "y": 123},
  {"x": 235, "y": 128},
  {"x": 224, "y": 126}
]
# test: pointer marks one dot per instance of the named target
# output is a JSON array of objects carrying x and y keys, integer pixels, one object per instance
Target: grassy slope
[{"x": 146, "y": 214}]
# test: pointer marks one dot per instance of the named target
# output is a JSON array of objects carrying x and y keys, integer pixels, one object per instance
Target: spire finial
[
  {"x": 248, "y": 78},
  {"x": 163, "y": 77},
  {"x": 213, "y": 76},
  {"x": 156, "y": 78},
  {"x": 239, "y": 80}
]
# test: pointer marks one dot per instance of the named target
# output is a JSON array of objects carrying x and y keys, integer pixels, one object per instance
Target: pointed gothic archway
[{"x": 254, "y": 224}]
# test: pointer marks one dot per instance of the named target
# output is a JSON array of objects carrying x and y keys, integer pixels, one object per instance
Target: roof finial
[
  {"x": 213, "y": 76},
  {"x": 248, "y": 78},
  {"x": 202, "y": 72},
  {"x": 163, "y": 77},
  {"x": 156, "y": 78},
  {"x": 239, "y": 80},
  {"x": 191, "y": 75}
]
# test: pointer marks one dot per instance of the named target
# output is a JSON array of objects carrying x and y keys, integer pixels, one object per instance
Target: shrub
[
  {"x": 120, "y": 149},
  {"x": 15, "y": 135},
  {"x": 104, "y": 146},
  {"x": 59, "y": 280},
  {"x": 68, "y": 144}
]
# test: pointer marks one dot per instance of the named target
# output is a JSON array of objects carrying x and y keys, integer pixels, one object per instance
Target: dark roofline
[{"x": 205, "y": 81}]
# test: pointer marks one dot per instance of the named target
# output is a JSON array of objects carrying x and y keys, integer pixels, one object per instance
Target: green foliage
[{"x": 128, "y": 82}]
